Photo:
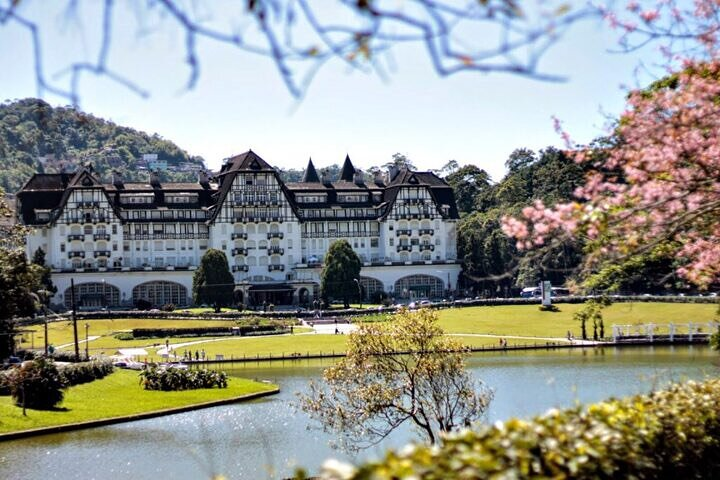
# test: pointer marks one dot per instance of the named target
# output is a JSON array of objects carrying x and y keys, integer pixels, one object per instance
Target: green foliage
[
  {"x": 213, "y": 284},
  {"x": 467, "y": 182},
  {"x": 674, "y": 433},
  {"x": 592, "y": 312},
  {"x": 84, "y": 372},
  {"x": 36, "y": 384},
  {"x": 174, "y": 379},
  {"x": 404, "y": 370},
  {"x": 48, "y": 288},
  {"x": 31, "y": 128},
  {"x": 19, "y": 283},
  {"x": 207, "y": 331},
  {"x": 491, "y": 263},
  {"x": 340, "y": 273}
]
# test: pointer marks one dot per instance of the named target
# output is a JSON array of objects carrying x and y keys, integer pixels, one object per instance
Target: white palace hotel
[{"x": 124, "y": 242}]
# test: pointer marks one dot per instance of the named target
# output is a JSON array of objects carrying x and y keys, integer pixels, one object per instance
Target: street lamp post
[
  {"x": 87, "y": 343},
  {"x": 359, "y": 291}
]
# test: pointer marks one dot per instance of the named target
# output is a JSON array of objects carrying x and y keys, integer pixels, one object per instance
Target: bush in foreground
[
  {"x": 674, "y": 433},
  {"x": 173, "y": 379},
  {"x": 36, "y": 384}
]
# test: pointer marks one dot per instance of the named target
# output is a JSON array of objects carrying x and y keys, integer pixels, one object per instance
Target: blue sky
[{"x": 240, "y": 101}]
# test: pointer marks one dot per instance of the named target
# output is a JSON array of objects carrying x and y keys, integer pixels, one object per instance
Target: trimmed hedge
[
  {"x": 174, "y": 379},
  {"x": 84, "y": 372},
  {"x": 673, "y": 433},
  {"x": 205, "y": 331}
]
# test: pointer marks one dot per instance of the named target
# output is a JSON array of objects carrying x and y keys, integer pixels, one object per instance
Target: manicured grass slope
[
  {"x": 520, "y": 320},
  {"x": 116, "y": 395},
  {"x": 528, "y": 320}
]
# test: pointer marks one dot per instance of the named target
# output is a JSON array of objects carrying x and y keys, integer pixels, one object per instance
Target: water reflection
[{"x": 268, "y": 438}]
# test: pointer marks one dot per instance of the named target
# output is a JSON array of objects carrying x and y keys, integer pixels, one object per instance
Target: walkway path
[{"x": 89, "y": 339}]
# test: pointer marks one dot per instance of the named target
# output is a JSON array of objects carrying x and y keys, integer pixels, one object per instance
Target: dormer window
[
  {"x": 137, "y": 198},
  {"x": 42, "y": 215}
]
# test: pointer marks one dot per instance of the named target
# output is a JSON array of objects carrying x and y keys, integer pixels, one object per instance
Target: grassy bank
[
  {"x": 118, "y": 394},
  {"x": 528, "y": 320},
  {"x": 495, "y": 321}
]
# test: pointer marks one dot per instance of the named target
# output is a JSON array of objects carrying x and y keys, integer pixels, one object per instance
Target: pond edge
[{"x": 68, "y": 427}]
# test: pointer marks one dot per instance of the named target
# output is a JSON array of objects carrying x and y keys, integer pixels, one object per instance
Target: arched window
[
  {"x": 419, "y": 286},
  {"x": 370, "y": 287},
  {"x": 160, "y": 293},
  {"x": 93, "y": 294}
]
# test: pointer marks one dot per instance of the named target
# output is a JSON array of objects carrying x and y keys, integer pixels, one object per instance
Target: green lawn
[
  {"x": 516, "y": 320},
  {"x": 118, "y": 394},
  {"x": 528, "y": 320}
]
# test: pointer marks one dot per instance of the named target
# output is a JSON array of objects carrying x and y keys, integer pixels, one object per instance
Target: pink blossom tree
[{"x": 657, "y": 189}]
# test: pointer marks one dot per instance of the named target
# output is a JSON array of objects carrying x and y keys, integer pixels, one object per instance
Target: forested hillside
[
  {"x": 492, "y": 265},
  {"x": 35, "y": 137}
]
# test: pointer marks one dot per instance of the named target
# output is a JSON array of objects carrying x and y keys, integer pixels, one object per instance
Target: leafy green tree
[
  {"x": 467, "y": 182},
  {"x": 37, "y": 384},
  {"x": 399, "y": 160},
  {"x": 19, "y": 283},
  {"x": 48, "y": 288},
  {"x": 213, "y": 284},
  {"x": 341, "y": 273},
  {"x": 370, "y": 392}
]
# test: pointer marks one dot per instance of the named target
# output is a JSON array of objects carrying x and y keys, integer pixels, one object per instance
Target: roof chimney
[
  {"x": 358, "y": 177},
  {"x": 392, "y": 172},
  {"x": 325, "y": 178},
  {"x": 203, "y": 179},
  {"x": 154, "y": 179},
  {"x": 378, "y": 177},
  {"x": 117, "y": 180}
]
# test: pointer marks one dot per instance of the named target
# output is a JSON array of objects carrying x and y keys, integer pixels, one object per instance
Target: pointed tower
[
  {"x": 311, "y": 174},
  {"x": 348, "y": 171}
]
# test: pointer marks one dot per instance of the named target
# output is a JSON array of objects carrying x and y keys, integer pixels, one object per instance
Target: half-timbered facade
[{"x": 123, "y": 242}]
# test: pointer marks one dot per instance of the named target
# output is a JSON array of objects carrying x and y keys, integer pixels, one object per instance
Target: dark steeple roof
[
  {"x": 348, "y": 171},
  {"x": 310, "y": 173}
]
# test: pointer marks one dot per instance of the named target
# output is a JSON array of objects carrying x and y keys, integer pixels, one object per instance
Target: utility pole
[{"x": 74, "y": 319}]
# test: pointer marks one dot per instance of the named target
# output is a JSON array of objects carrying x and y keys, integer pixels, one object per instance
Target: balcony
[
  {"x": 401, "y": 231},
  {"x": 239, "y": 251},
  {"x": 101, "y": 253},
  {"x": 427, "y": 246},
  {"x": 101, "y": 236},
  {"x": 272, "y": 235},
  {"x": 76, "y": 237},
  {"x": 238, "y": 236},
  {"x": 276, "y": 251},
  {"x": 404, "y": 248},
  {"x": 240, "y": 268},
  {"x": 76, "y": 254},
  {"x": 427, "y": 231},
  {"x": 276, "y": 268},
  {"x": 414, "y": 201}
]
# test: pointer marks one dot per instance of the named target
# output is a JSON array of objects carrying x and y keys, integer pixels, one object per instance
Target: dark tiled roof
[
  {"x": 310, "y": 175},
  {"x": 348, "y": 171}
]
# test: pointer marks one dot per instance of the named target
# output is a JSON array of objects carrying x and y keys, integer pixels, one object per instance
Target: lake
[{"x": 268, "y": 438}]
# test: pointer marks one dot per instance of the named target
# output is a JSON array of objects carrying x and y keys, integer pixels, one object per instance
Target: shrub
[
  {"x": 84, "y": 372},
  {"x": 124, "y": 336},
  {"x": 209, "y": 331},
  {"x": 4, "y": 383},
  {"x": 36, "y": 384},
  {"x": 168, "y": 307},
  {"x": 173, "y": 379},
  {"x": 674, "y": 433},
  {"x": 63, "y": 356}
]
